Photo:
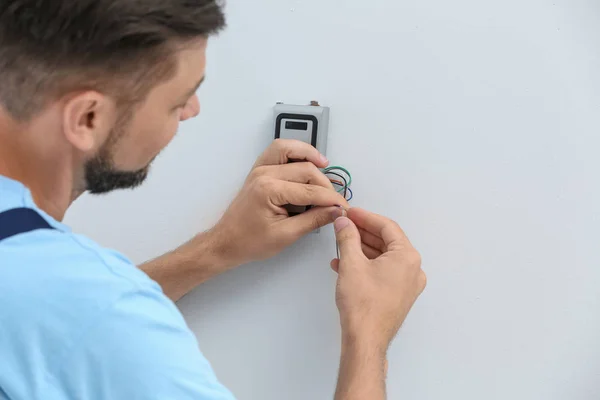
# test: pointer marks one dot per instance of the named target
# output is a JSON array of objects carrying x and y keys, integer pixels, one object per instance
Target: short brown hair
[{"x": 49, "y": 47}]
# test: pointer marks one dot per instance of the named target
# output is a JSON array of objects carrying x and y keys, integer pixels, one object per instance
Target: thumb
[
  {"x": 348, "y": 238},
  {"x": 302, "y": 224}
]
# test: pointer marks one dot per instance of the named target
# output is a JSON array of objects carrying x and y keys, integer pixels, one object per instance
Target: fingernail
[
  {"x": 324, "y": 159},
  {"x": 341, "y": 223}
]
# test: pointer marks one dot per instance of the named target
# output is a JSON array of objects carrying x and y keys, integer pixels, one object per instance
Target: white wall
[{"x": 473, "y": 123}]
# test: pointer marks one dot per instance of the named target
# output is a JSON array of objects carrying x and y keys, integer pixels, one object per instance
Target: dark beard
[{"x": 101, "y": 176}]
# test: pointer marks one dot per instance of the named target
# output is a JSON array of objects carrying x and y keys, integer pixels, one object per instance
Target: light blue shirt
[{"x": 78, "y": 321}]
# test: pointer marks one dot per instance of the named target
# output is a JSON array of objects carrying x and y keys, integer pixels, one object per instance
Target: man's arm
[
  {"x": 192, "y": 264},
  {"x": 379, "y": 279},
  {"x": 362, "y": 370},
  {"x": 256, "y": 225}
]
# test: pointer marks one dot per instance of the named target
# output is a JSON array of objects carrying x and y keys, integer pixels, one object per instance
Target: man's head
[{"x": 113, "y": 77}]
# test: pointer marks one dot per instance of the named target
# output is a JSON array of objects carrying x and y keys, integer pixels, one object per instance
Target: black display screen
[{"x": 296, "y": 125}]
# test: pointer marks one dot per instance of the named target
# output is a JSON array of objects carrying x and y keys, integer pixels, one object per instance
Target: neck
[{"x": 39, "y": 163}]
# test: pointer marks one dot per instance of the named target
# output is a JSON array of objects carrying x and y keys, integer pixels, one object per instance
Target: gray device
[{"x": 309, "y": 124}]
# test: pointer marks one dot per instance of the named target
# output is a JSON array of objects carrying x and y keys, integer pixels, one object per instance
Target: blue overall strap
[{"x": 20, "y": 220}]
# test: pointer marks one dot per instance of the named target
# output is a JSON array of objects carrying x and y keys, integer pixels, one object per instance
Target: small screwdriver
[{"x": 337, "y": 247}]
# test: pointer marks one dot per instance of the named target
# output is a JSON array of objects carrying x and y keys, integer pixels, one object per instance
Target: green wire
[{"x": 344, "y": 170}]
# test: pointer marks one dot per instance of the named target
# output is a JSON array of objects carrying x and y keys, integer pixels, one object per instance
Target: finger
[
  {"x": 390, "y": 232},
  {"x": 301, "y": 172},
  {"x": 348, "y": 239},
  {"x": 335, "y": 265},
  {"x": 370, "y": 252},
  {"x": 373, "y": 241},
  {"x": 298, "y": 194},
  {"x": 282, "y": 151},
  {"x": 307, "y": 222}
]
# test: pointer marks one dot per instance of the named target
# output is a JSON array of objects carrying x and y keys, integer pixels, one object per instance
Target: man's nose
[{"x": 191, "y": 109}]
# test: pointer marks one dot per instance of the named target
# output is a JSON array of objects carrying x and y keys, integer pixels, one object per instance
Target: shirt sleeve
[{"x": 139, "y": 348}]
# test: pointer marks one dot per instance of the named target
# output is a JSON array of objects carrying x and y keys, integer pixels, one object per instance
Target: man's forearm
[
  {"x": 362, "y": 371},
  {"x": 183, "y": 269}
]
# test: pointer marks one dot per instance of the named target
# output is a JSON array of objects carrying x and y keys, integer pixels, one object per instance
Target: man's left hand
[{"x": 256, "y": 225}]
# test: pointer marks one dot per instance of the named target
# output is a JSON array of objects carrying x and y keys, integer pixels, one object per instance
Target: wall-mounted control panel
[{"x": 309, "y": 124}]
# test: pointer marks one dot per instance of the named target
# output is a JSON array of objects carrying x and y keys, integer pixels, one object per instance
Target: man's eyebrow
[{"x": 195, "y": 89}]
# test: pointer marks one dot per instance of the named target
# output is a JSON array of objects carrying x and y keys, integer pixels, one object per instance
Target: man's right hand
[{"x": 379, "y": 279}]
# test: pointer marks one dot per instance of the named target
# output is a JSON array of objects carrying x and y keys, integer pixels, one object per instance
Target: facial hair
[
  {"x": 102, "y": 177},
  {"x": 101, "y": 174}
]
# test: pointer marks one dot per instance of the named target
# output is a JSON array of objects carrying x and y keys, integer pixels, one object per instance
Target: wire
[
  {"x": 338, "y": 168},
  {"x": 344, "y": 187},
  {"x": 345, "y": 184},
  {"x": 347, "y": 189}
]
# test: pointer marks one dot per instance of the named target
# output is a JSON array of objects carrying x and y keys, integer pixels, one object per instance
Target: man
[{"x": 90, "y": 92}]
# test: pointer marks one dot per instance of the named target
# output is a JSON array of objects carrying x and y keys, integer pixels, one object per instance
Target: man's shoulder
[
  {"x": 64, "y": 276},
  {"x": 50, "y": 258},
  {"x": 57, "y": 287}
]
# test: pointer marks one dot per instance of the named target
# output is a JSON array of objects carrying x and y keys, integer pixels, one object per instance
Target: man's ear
[{"x": 88, "y": 119}]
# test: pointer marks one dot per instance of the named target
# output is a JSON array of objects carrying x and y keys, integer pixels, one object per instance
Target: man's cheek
[
  {"x": 161, "y": 140},
  {"x": 169, "y": 132}
]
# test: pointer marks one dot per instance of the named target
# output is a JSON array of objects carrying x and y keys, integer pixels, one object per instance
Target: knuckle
[
  {"x": 309, "y": 169},
  {"x": 279, "y": 149},
  {"x": 394, "y": 224},
  {"x": 342, "y": 236},
  {"x": 411, "y": 259},
  {"x": 416, "y": 258},
  {"x": 305, "y": 166},
  {"x": 311, "y": 191},
  {"x": 283, "y": 145},
  {"x": 314, "y": 169},
  {"x": 257, "y": 172},
  {"x": 422, "y": 281},
  {"x": 320, "y": 220},
  {"x": 346, "y": 234},
  {"x": 278, "y": 144},
  {"x": 263, "y": 183}
]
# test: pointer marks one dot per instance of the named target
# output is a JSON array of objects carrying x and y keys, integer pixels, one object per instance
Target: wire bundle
[{"x": 341, "y": 179}]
